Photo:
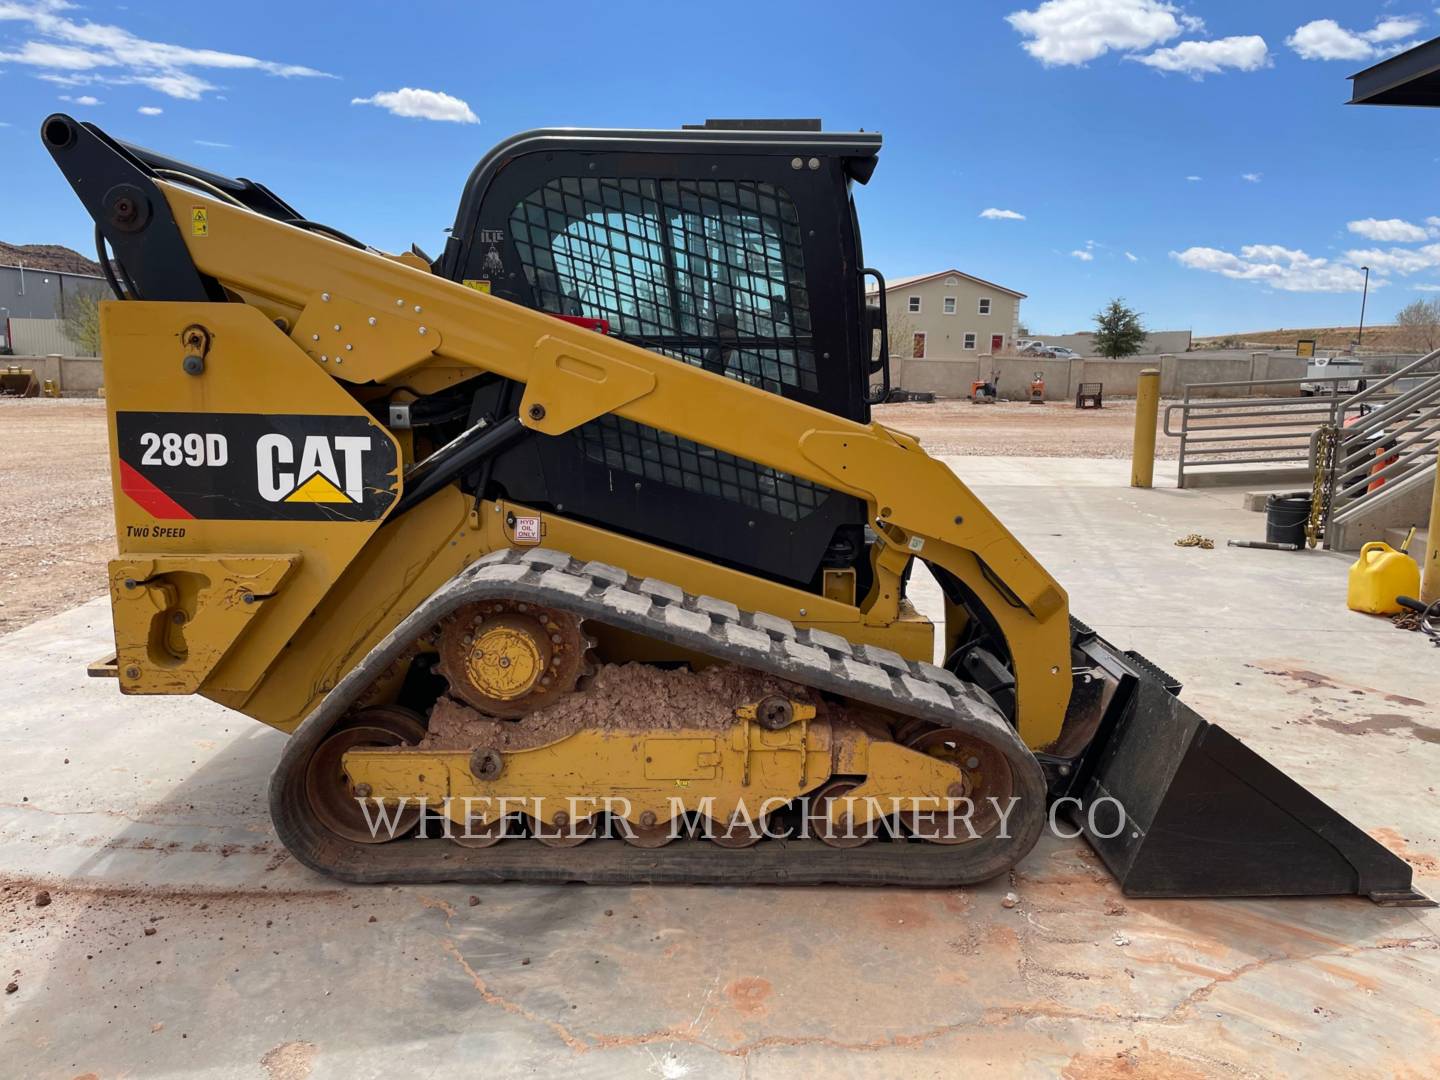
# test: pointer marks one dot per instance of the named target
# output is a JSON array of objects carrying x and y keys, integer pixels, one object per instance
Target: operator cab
[{"x": 733, "y": 246}]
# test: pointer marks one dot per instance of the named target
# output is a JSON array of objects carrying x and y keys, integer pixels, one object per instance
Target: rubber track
[{"x": 717, "y": 628}]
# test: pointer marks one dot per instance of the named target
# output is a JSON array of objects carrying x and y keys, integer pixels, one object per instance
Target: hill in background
[
  {"x": 47, "y": 257},
  {"x": 1377, "y": 338}
]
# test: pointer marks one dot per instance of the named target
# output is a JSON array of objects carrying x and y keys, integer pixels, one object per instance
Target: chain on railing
[{"x": 1327, "y": 437}]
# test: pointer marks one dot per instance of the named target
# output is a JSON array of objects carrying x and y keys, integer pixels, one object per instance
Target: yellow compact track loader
[{"x": 574, "y": 554}]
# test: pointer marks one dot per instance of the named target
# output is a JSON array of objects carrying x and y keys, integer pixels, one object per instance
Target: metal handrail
[
  {"x": 1423, "y": 418},
  {"x": 1364, "y": 466},
  {"x": 1212, "y": 430},
  {"x": 1402, "y": 404},
  {"x": 1282, "y": 382},
  {"x": 1364, "y": 395}
]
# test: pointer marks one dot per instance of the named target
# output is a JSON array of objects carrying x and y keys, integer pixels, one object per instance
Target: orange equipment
[{"x": 984, "y": 391}]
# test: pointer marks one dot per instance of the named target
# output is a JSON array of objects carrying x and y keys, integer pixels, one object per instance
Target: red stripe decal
[
  {"x": 151, "y": 498},
  {"x": 600, "y": 326}
]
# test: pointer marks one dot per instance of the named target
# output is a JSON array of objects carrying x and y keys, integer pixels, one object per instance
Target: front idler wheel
[{"x": 335, "y": 801}]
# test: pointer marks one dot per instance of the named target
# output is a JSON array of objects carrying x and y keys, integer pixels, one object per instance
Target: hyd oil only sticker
[{"x": 244, "y": 466}]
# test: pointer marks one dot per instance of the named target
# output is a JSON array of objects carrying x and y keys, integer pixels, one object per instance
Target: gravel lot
[
  {"x": 1019, "y": 429},
  {"x": 57, "y": 517},
  {"x": 54, "y": 506}
]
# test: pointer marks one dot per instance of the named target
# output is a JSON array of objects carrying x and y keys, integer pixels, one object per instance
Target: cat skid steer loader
[{"x": 574, "y": 554}]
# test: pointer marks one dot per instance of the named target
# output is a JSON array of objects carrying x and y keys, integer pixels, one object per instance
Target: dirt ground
[
  {"x": 1019, "y": 429},
  {"x": 55, "y": 507},
  {"x": 56, "y": 510}
]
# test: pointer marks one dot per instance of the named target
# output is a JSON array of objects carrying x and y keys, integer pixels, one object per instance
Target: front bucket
[{"x": 1203, "y": 815}]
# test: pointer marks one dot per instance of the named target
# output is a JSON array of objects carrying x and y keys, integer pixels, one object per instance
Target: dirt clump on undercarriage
[{"x": 634, "y": 696}]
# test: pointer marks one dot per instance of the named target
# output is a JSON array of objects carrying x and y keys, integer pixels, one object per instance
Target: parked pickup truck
[{"x": 1329, "y": 368}]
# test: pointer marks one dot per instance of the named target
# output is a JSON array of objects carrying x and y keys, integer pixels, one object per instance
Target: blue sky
[{"x": 1089, "y": 118}]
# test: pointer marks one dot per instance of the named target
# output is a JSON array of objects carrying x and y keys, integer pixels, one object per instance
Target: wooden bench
[{"x": 1091, "y": 395}]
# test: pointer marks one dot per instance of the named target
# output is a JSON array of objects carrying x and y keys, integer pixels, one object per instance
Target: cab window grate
[
  {"x": 708, "y": 272},
  {"x": 656, "y": 455}
]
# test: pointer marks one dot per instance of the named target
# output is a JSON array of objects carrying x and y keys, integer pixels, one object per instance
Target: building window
[
  {"x": 917, "y": 346},
  {"x": 950, "y": 283},
  {"x": 970, "y": 342},
  {"x": 984, "y": 305},
  {"x": 949, "y": 305},
  {"x": 914, "y": 305}
]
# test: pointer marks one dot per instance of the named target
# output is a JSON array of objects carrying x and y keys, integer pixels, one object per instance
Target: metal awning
[{"x": 1408, "y": 78}]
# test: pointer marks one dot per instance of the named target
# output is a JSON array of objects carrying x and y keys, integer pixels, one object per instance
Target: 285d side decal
[{"x": 246, "y": 466}]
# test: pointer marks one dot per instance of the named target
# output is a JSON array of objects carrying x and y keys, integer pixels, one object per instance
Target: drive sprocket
[{"x": 508, "y": 658}]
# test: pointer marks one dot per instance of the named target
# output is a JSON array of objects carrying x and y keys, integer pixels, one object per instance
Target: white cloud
[
  {"x": 71, "y": 53},
  {"x": 1399, "y": 260},
  {"x": 1083, "y": 255},
  {"x": 1252, "y": 177},
  {"x": 1390, "y": 230},
  {"x": 1393, "y": 28},
  {"x": 422, "y": 104},
  {"x": 1433, "y": 222},
  {"x": 1001, "y": 215},
  {"x": 1132, "y": 258},
  {"x": 83, "y": 99},
  {"x": 1426, "y": 288},
  {"x": 1286, "y": 269},
  {"x": 215, "y": 145},
  {"x": 49, "y": 55},
  {"x": 1325, "y": 39},
  {"x": 1201, "y": 58},
  {"x": 1194, "y": 178},
  {"x": 1065, "y": 32},
  {"x": 149, "y": 110}
]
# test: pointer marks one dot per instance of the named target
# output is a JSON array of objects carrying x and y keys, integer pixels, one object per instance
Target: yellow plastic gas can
[{"x": 1379, "y": 576}]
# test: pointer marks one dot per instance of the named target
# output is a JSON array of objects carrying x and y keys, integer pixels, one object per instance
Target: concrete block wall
[
  {"x": 1016, "y": 374},
  {"x": 1178, "y": 371},
  {"x": 1120, "y": 377},
  {"x": 943, "y": 378},
  {"x": 77, "y": 376},
  {"x": 952, "y": 378}
]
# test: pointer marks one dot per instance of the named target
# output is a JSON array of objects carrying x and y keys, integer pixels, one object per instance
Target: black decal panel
[{"x": 249, "y": 466}]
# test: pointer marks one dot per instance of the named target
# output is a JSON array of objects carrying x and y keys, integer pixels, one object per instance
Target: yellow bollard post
[
  {"x": 1147, "y": 409},
  {"x": 1430, "y": 568}
]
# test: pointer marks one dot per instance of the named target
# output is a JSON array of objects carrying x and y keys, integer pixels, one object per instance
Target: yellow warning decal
[
  {"x": 318, "y": 489},
  {"x": 199, "y": 221},
  {"x": 478, "y": 284}
]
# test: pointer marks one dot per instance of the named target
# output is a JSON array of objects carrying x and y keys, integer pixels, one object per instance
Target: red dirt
[
  {"x": 54, "y": 507},
  {"x": 620, "y": 695},
  {"x": 1018, "y": 429}
]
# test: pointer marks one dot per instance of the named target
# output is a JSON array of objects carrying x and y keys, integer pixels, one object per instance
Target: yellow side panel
[
  {"x": 177, "y": 616},
  {"x": 189, "y": 469}
]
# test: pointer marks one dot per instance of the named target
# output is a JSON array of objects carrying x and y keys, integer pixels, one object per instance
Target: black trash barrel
[{"x": 1285, "y": 518}]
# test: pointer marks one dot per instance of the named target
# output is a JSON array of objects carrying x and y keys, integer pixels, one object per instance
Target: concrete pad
[
  {"x": 1052, "y": 472},
  {"x": 258, "y": 968}
]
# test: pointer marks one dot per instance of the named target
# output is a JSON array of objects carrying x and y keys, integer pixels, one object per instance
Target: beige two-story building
[{"x": 951, "y": 315}]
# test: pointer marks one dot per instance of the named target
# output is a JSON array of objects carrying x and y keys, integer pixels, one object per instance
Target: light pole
[{"x": 1360, "y": 334}]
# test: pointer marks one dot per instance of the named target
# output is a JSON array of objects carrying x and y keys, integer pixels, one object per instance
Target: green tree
[
  {"x": 1118, "y": 331},
  {"x": 82, "y": 320},
  {"x": 1419, "y": 323}
]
